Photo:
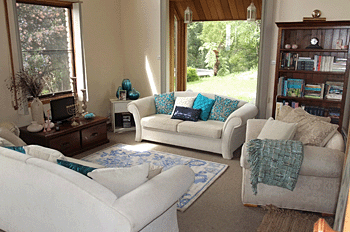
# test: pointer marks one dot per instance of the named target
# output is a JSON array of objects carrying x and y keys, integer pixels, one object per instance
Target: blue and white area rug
[{"x": 122, "y": 155}]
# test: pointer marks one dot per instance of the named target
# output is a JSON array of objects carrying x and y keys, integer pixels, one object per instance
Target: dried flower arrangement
[{"x": 30, "y": 81}]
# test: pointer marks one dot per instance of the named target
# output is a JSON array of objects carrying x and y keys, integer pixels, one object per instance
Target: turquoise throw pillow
[
  {"x": 19, "y": 149},
  {"x": 164, "y": 103},
  {"x": 205, "y": 104},
  {"x": 222, "y": 108},
  {"x": 76, "y": 167}
]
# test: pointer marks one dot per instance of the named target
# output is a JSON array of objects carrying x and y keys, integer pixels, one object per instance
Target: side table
[{"x": 118, "y": 108}]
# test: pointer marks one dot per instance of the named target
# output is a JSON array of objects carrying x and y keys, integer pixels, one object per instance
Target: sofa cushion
[
  {"x": 183, "y": 101},
  {"x": 274, "y": 129},
  {"x": 318, "y": 161},
  {"x": 160, "y": 122},
  {"x": 44, "y": 153},
  {"x": 164, "y": 103},
  {"x": 19, "y": 149},
  {"x": 312, "y": 130},
  {"x": 210, "y": 128},
  {"x": 186, "y": 113},
  {"x": 76, "y": 167},
  {"x": 222, "y": 108},
  {"x": 121, "y": 180},
  {"x": 205, "y": 104}
]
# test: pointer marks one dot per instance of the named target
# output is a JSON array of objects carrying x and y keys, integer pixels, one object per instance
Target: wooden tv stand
[{"x": 70, "y": 140}]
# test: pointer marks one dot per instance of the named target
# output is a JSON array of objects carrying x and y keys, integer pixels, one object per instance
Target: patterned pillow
[
  {"x": 186, "y": 113},
  {"x": 19, "y": 149},
  {"x": 205, "y": 104},
  {"x": 222, "y": 108},
  {"x": 183, "y": 101},
  {"x": 164, "y": 103}
]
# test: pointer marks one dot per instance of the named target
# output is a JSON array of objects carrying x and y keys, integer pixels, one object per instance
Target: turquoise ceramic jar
[{"x": 133, "y": 94}]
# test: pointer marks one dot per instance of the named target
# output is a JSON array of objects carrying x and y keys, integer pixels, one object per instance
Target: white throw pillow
[
  {"x": 274, "y": 129},
  {"x": 184, "y": 102},
  {"x": 44, "y": 153},
  {"x": 121, "y": 180}
]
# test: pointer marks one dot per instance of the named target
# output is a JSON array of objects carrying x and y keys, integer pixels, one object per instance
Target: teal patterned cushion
[
  {"x": 19, "y": 149},
  {"x": 76, "y": 167},
  {"x": 222, "y": 108},
  {"x": 205, "y": 104},
  {"x": 164, "y": 103}
]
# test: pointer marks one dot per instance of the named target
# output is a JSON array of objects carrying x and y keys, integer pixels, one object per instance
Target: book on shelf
[
  {"x": 288, "y": 60},
  {"x": 295, "y": 87},
  {"x": 278, "y": 108},
  {"x": 334, "y": 90},
  {"x": 339, "y": 65},
  {"x": 314, "y": 91},
  {"x": 305, "y": 63}
]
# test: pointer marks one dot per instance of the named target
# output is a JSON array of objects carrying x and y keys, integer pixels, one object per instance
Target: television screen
[{"x": 59, "y": 109}]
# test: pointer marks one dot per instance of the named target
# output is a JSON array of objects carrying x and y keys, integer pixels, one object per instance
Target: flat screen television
[{"x": 59, "y": 111}]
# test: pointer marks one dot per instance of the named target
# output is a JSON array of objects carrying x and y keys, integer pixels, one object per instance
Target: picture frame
[{"x": 122, "y": 95}]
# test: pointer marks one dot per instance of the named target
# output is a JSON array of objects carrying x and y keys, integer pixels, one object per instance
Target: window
[
  {"x": 46, "y": 43},
  {"x": 47, "y": 36}
]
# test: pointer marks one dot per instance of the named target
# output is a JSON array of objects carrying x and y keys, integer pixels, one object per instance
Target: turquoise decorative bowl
[{"x": 133, "y": 94}]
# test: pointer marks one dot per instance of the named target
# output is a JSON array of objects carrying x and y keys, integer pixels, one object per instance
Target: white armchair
[{"x": 318, "y": 183}]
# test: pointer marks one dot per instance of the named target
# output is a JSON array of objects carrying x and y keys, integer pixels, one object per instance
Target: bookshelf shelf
[{"x": 295, "y": 68}]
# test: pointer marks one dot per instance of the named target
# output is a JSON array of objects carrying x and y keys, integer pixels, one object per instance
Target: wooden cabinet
[
  {"x": 326, "y": 64},
  {"x": 70, "y": 140}
]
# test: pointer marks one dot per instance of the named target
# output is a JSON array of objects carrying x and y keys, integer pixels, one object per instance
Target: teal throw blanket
[{"x": 275, "y": 162}]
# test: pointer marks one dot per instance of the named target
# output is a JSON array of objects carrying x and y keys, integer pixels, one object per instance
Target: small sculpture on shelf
[{"x": 131, "y": 93}]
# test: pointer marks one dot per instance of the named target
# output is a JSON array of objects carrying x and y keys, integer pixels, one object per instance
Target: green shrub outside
[{"x": 192, "y": 74}]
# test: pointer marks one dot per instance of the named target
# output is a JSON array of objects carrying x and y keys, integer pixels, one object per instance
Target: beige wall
[
  {"x": 141, "y": 40},
  {"x": 289, "y": 11}
]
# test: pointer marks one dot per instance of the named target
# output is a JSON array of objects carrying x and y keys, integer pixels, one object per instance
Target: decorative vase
[
  {"x": 37, "y": 111},
  {"x": 133, "y": 94},
  {"x": 118, "y": 90},
  {"x": 34, "y": 127},
  {"x": 126, "y": 84}
]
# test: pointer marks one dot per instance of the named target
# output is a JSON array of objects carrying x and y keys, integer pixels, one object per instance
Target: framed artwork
[{"x": 122, "y": 94}]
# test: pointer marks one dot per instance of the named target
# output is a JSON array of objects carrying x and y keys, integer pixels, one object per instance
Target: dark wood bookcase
[{"x": 301, "y": 33}]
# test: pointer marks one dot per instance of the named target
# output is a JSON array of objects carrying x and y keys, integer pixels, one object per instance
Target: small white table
[{"x": 117, "y": 107}]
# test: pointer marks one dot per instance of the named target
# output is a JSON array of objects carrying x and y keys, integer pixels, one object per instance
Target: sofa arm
[
  {"x": 254, "y": 127},
  {"x": 150, "y": 200},
  {"x": 141, "y": 108},
  {"x": 240, "y": 116}
]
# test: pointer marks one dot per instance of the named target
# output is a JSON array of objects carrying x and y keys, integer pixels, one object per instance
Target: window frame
[{"x": 16, "y": 53}]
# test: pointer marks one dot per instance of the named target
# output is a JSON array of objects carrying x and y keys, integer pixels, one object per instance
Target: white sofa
[
  {"x": 40, "y": 195},
  {"x": 213, "y": 136},
  {"x": 318, "y": 183}
]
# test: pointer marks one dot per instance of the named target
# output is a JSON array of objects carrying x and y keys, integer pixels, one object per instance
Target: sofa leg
[{"x": 250, "y": 205}]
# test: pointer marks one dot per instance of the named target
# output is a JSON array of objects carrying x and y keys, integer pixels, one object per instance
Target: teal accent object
[
  {"x": 118, "y": 90},
  {"x": 222, "y": 108},
  {"x": 133, "y": 94},
  {"x": 76, "y": 167},
  {"x": 205, "y": 104},
  {"x": 164, "y": 103},
  {"x": 275, "y": 162},
  {"x": 89, "y": 116},
  {"x": 126, "y": 84},
  {"x": 19, "y": 149}
]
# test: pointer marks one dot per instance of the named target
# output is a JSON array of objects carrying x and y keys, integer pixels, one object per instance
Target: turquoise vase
[
  {"x": 133, "y": 94},
  {"x": 118, "y": 90},
  {"x": 126, "y": 84}
]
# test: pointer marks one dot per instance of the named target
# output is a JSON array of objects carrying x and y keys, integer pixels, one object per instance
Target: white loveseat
[
  {"x": 213, "y": 136},
  {"x": 40, "y": 195},
  {"x": 318, "y": 183}
]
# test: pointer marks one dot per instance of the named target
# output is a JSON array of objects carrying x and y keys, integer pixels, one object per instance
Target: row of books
[
  {"x": 333, "y": 113},
  {"x": 317, "y": 63},
  {"x": 291, "y": 87}
]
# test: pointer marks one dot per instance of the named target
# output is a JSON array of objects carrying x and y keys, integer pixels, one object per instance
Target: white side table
[{"x": 119, "y": 106}]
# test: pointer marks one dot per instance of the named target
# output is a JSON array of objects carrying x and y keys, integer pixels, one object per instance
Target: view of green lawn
[{"x": 240, "y": 85}]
